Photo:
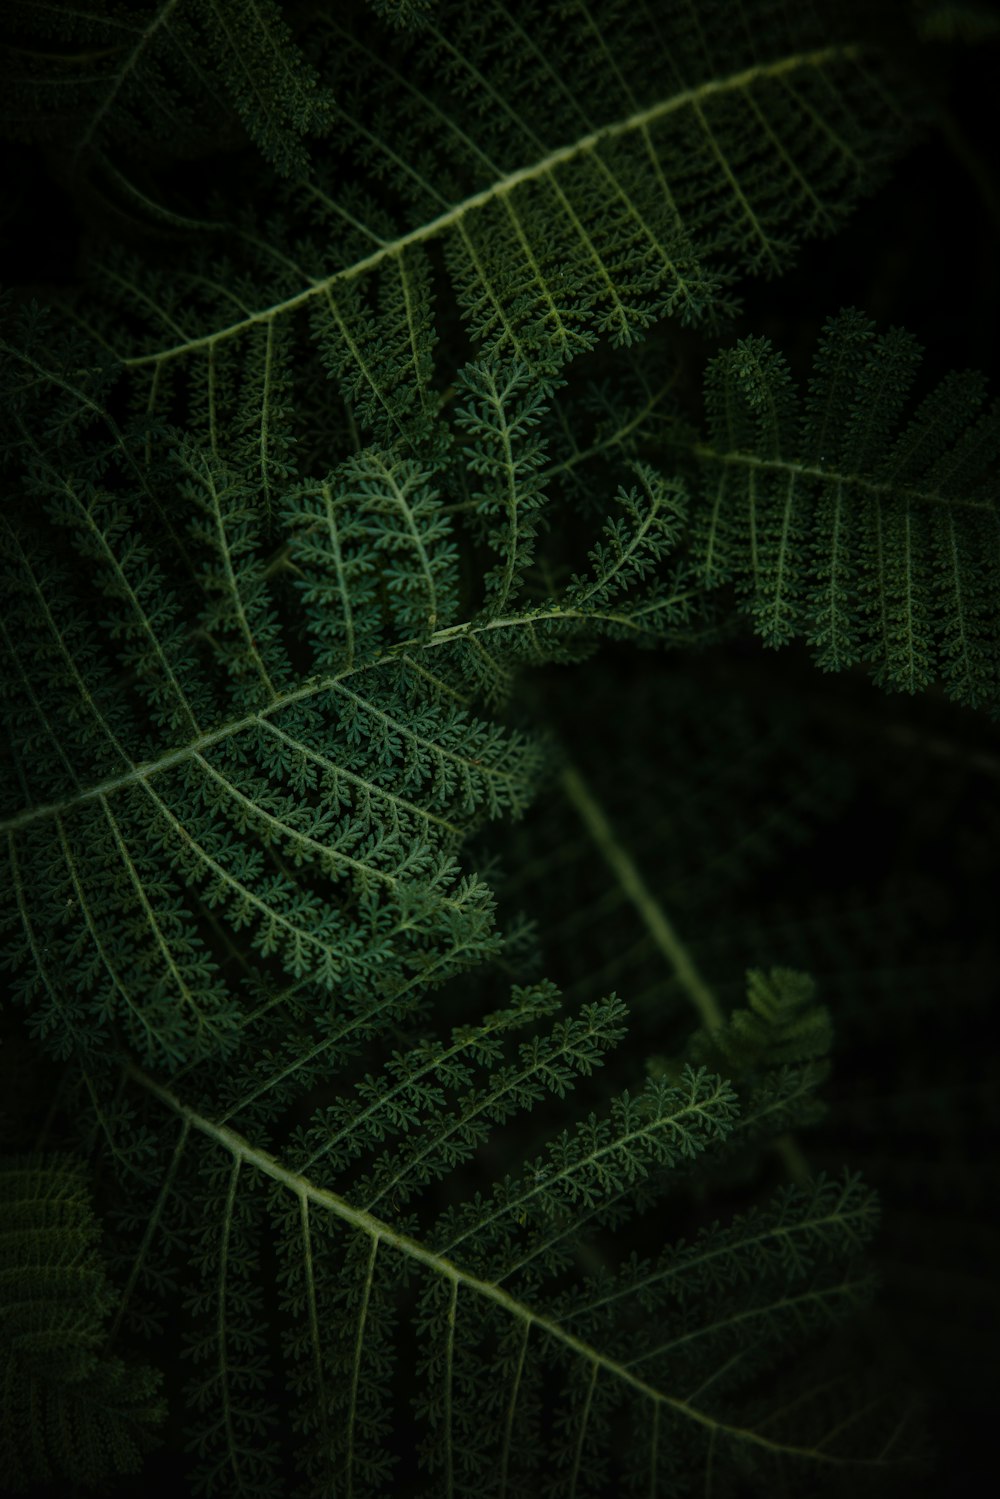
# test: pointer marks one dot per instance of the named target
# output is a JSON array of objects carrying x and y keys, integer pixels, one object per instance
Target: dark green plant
[
  {"x": 70, "y": 1411},
  {"x": 346, "y": 829}
]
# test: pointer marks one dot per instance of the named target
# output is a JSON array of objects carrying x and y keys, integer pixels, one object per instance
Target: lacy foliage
[{"x": 300, "y": 493}]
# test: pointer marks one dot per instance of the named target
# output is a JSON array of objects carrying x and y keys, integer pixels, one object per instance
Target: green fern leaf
[
  {"x": 571, "y": 203},
  {"x": 871, "y": 537}
]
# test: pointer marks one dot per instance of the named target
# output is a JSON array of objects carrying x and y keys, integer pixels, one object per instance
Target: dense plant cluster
[{"x": 499, "y": 662}]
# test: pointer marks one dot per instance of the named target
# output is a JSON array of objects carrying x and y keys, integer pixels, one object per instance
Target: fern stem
[
  {"x": 786, "y": 1147},
  {"x": 638, "y": 892},
  {"x": 793, "y": 1158}
]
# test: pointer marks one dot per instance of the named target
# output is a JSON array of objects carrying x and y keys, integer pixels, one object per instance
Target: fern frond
[
  {"x": 375, "y": 527},
  {"x": 872, "y": 537},
  {"x": 571, "y": 203},
  {"x": 504, "y": 410},
  {"x": 287, "y": 749},
  {"x": 781, "y": 1243},
  {"x": 502, "y": 1344},
  {"x": 231, "y": 781},
  {"x": 631, "y": 550}
]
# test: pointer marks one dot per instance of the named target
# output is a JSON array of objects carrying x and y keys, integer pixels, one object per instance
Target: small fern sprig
[
  {"x": 503, "y": 412},
  {"x": 780, "y": 1026}
]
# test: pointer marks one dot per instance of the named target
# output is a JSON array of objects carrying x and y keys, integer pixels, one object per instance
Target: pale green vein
[
  {"x": 269, "y": 914},
  {"x": 90, "y": 921},
  {"x": 151, "y": 1224},
  {"x": 508, "y": 1433},
  {"x": 509, "y": 1087},
  {"x": 546, "y": 1181},
  {"x": 398, "y": 497},
  {"x": 730, "y": 175},
  {"x": 352, "y": 1409},
  {"x": 851, "y": 1288},
  {"x": 233, "y": 587},
  {"x": 184, "y": 989},
  {"x": 315, "y": 1339},
  {"x": 582, "y": 1436},
  {"x": 265, "y": 417},
  {"x": 449, "y": 1391},
  {"x": 325, "y": 853},
  {"x": 359, "y": 1024},
  {"x": 358, "y": 1124},
  {"x": 227, "y": 1407},
  {"x": 771, "y": 1234}
]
